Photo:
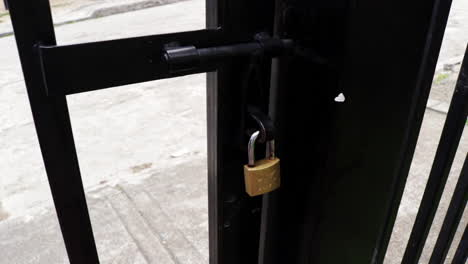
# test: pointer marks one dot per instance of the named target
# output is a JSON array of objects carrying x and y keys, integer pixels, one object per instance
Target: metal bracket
[
  {"x": 84, "y": 67},
  {"x": 264, "y": 123}
]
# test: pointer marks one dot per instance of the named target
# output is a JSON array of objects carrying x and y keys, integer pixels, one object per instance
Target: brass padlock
[{"x": 262, "y": 176}]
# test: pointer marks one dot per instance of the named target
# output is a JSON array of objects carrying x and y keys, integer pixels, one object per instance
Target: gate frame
[{"x": 297, "y": 219}]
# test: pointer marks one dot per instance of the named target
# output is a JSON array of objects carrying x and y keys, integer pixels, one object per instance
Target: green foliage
[{"x": 441, "y": 77}]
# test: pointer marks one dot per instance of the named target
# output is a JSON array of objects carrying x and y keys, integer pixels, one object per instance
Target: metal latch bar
[{"x": 187, "y": 58}]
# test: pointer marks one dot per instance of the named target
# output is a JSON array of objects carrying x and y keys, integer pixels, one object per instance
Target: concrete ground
[
  {"x": 70, "y": 11},
  {"x": 163, "y": 219},
  {"x": 159, "y": 128},
  {"x": 420, "y": 169},
  {"x": 448, "y": 68},
  {"x": 144, "y": 170}
]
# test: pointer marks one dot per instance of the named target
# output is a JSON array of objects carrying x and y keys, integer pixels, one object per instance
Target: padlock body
[{"x": 262, "y": 178}]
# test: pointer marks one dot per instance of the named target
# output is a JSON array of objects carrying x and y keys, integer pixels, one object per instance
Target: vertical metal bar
[
  {"x": 436, "y": 27},
  {"x": 446, "y": 151},
  {"x": 452, "y": 219},
  {"x": 461, "y": 255},
  {"x": 234, "y": 216},
  {"x": 214, "y": 183},
  {"x": 32, "y": 22},
  {"x": 269, "y": 219}
]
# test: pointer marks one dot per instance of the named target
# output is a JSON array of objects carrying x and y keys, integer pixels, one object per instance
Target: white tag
[{"x": 340, "y": 98}]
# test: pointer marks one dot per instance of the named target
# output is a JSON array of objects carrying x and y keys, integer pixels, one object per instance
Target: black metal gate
[
  {"x": 450, "y": 139},
  {"x": 316, "y": 50}
]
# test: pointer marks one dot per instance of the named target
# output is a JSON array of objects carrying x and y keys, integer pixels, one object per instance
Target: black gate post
[
  {"x": 234, "y": 216},
  {"x": 33, "y": 26},
  {"x": 5, "y": 3}
]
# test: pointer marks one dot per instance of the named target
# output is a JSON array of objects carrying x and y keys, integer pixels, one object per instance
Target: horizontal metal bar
[
  {"x": 91, "y": 66},
  {"x": 453, "y": 217},
  {"x": 85, "y": 67},
  {"x": 186, "y": 58}
]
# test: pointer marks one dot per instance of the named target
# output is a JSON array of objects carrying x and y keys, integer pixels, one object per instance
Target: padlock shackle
[
  {"x": 271, "y": 149},
  {"x": 251, "y": 148}
]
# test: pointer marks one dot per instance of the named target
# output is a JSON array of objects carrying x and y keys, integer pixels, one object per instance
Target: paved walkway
[
  {"x": 420, "y": 169},
  {"x": 161, "y": 220},
  {"x": 70, "y": 11},
  {"x": 144, "y": 171},
  {"x": 451, "y": 55}
]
